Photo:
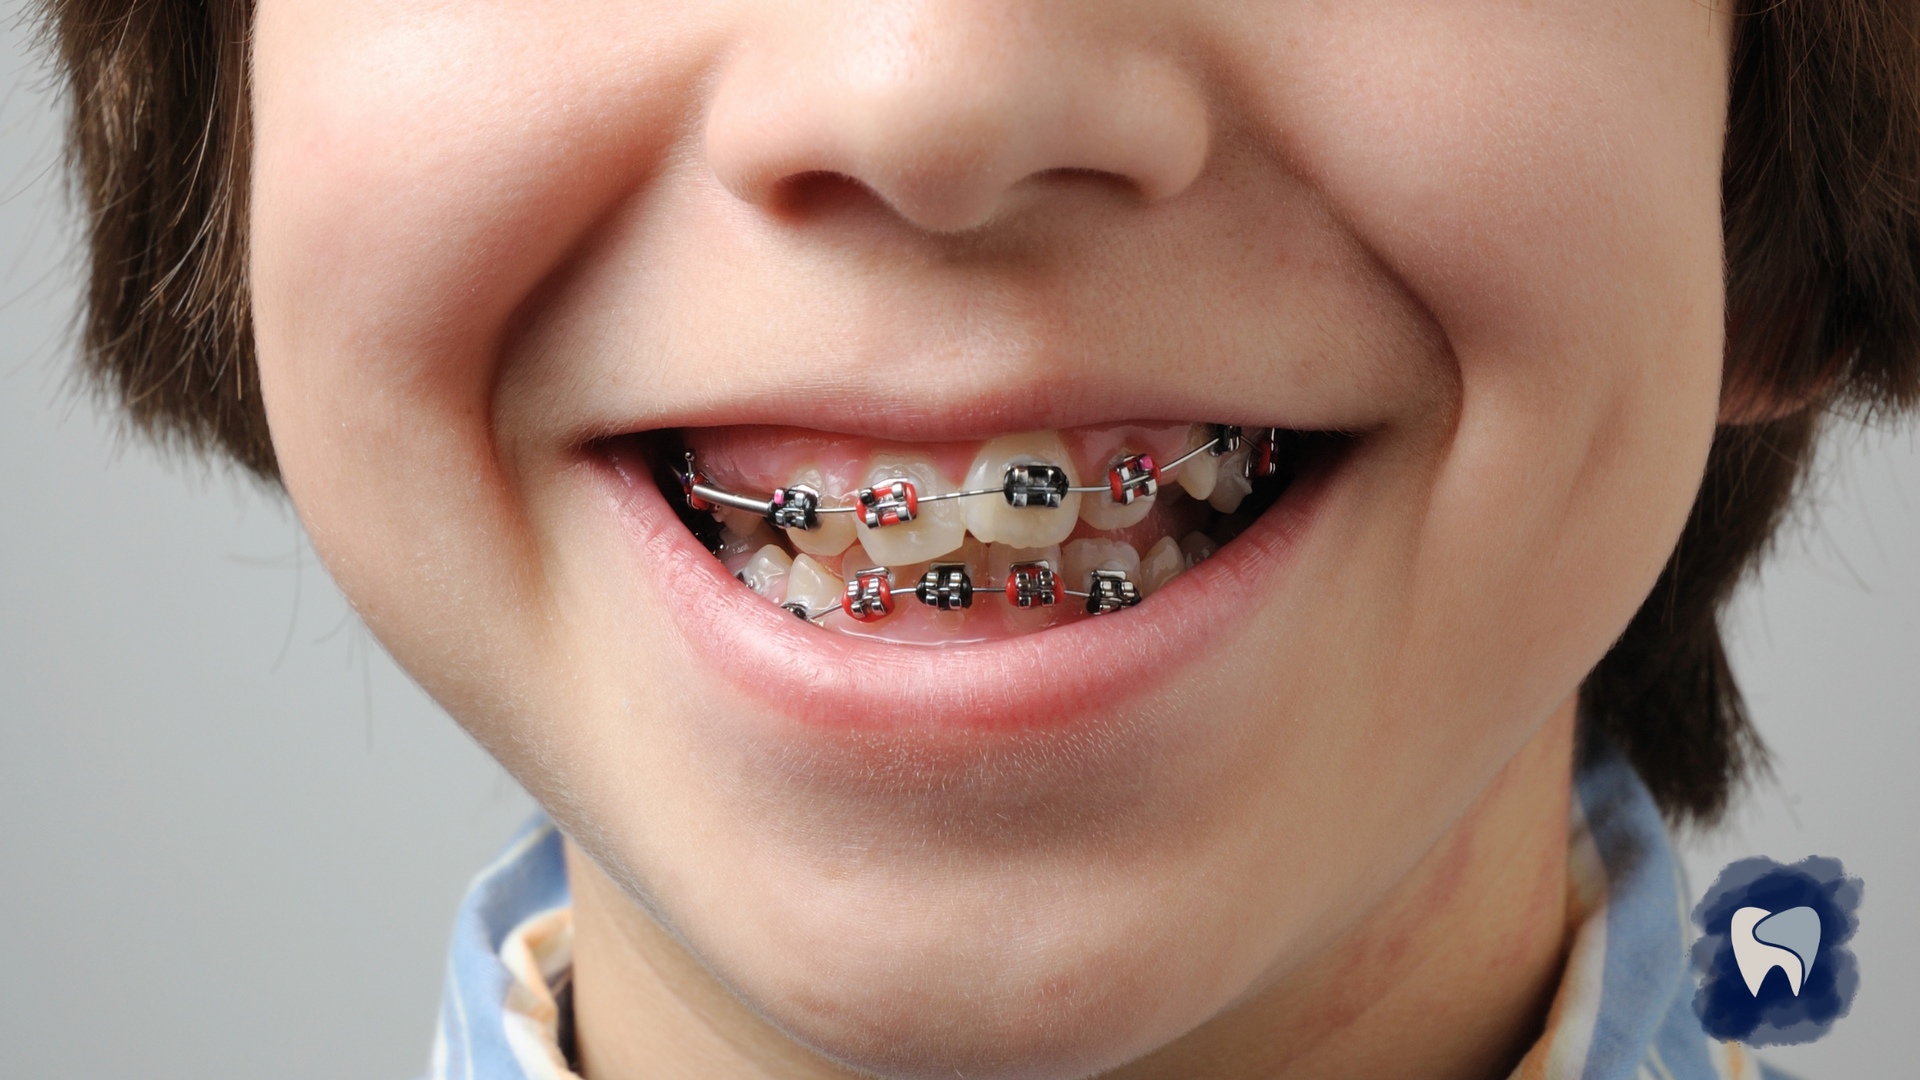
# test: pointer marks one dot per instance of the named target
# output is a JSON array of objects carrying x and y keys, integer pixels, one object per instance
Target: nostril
[
  {"x": 942, "y": 129},
  {"x": 820, "y": 192},
  {"x": 1094, "y": 178}
]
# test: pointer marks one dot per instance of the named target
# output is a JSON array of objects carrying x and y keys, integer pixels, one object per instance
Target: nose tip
[{"x": 944, "y": 121}]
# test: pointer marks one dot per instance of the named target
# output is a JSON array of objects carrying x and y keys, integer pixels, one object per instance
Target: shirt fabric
[{"x": 1624, "y": 1009}]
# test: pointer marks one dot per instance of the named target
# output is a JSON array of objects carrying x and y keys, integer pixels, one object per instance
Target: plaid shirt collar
[{"x": 1623, "y": 1010}]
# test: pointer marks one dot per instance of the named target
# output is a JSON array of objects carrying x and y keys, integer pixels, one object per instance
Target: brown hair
[
  {"x": 1821, "y": 212},
  {"x": 1822, "y": 223}
]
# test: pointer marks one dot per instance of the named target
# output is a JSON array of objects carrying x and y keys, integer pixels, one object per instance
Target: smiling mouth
[{"x": 962, "y": 542}]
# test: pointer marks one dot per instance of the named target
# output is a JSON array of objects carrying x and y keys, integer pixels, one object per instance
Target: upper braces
[{"x": 949, "y": 586}]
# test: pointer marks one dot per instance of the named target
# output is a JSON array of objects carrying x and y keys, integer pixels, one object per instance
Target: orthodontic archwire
[{"x": 869, "y": 594}]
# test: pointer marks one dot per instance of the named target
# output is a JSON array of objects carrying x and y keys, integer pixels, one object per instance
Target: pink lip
[{"x": 1044, "y": 680}]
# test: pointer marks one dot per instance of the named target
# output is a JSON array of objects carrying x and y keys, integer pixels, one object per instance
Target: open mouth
[{"x": 962, "y": 542}]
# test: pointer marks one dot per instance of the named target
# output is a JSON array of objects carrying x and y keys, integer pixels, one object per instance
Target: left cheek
[{"x": 1545, "y": 181}]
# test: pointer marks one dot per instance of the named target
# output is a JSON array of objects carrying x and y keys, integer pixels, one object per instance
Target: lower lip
[{"x": 1051, "y": 679}]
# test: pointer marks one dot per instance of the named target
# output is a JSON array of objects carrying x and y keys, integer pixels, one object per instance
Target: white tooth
[
  {"x": 740, "y": 521},
  {"x": 1082, "y": 557},
  {"x": 938, "y": 528},
  {"x": 766, "y": 573},
  {"x": 1232, "y": 484},
  {"x": 993, "y": 521},
  {"x": 1198, "y": 548},
  {"x": 1162, "y": 563},
  {"x": 973, "y": 555},
  {"x": 905, "y": 575},
  {"x": 855, "y": 560},
  {"x": 743, "y": 542},
  {"x": 835, "y": 532},
  {"x": 813, "y": 585},
  {"x": 1001, "y": 557},
  {"x": 1101, "y": 512},
  {"x": 1197, "y": 476}
]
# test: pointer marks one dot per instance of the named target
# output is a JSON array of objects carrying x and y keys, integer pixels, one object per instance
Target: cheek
[
  {"x": 419, "y": 169},
  {"x": 1545, "y": 180}
]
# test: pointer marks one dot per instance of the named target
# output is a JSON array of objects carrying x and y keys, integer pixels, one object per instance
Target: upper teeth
[
  {"x": 1231, "y": 484},
  {"x": 934, "y": 527},
  {"x": 996, "y": 521},
  {"x": 1035, "y": 478},
  {"x": 831, "y": 534},
  {"x": 1197, "y": 476}
]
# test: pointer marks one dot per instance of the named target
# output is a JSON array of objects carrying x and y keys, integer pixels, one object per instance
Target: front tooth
[
  {"x": 1082, "y": 557},
  {"x": 813, "y": 585},
  {"x": 973, "y": 555},
  {"x": 1232, "y": 485},
  {"x": 766, "y": 573},
  {"x": 1200, "y": 472},
  {"x": 938, "y": 528},
  {"x": 1162, "y": 563},
  {"x": 1101, "y": 512},
  {"x": 834, "y": 534},
  {"x": 992, "y": 520}
]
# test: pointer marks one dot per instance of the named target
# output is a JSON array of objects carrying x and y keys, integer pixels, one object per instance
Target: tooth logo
[
  {"x": 1764, "y": 940},
  {"x": 1759, "y": 915}
]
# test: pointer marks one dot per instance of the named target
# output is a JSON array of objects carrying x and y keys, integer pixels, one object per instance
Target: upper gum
[{"x": 764, "y": 457}]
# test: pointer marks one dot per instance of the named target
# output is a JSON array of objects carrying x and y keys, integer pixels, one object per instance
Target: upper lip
[
  {"x": 961, "y": 407},
  {"x": 908, "y": 417}
]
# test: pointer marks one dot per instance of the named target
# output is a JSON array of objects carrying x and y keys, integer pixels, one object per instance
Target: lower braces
[{"x": 869, "y": 594}]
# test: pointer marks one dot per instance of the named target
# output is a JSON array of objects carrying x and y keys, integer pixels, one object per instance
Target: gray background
[{"x": 232, "y": 833}]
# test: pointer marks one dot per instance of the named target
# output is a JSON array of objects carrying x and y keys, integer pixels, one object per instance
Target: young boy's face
[{"x": 1480, "y": 237}]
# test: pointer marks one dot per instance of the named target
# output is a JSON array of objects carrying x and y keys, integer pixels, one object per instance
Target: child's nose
[{"x": 944, "y": 107}]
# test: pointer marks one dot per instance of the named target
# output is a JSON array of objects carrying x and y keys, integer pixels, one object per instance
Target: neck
[{"x": 1449, "y": 977}]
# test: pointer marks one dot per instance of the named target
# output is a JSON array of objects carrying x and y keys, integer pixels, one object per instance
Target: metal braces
[
  {"x": 870, "y": 595},
  {"x": 1030, "y": 485}
]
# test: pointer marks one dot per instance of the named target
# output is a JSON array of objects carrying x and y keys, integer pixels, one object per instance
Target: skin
[{"x": 1485, "y": 235}]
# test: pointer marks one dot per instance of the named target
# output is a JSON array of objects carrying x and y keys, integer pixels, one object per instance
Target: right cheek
[
  {"x": 394, "y": 234},
  {"x": 423, "y": 169}
]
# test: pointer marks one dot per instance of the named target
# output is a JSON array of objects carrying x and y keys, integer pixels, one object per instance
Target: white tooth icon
[{"x": 1763, "y": 940}]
